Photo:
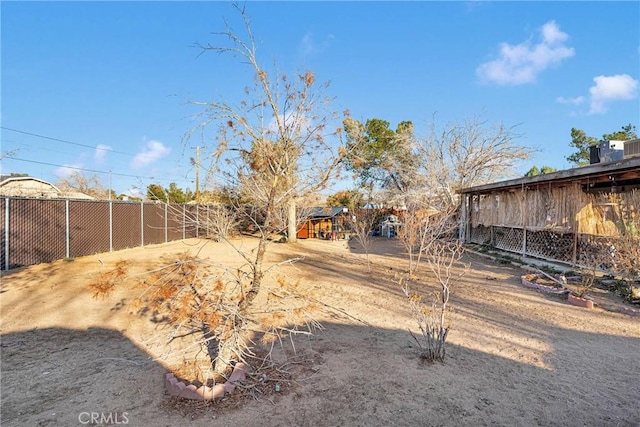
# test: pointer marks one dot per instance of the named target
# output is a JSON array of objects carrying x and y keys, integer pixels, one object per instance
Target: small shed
[
  {"x": 389, "y": 226},
  {"x": 323, "y": 223}
]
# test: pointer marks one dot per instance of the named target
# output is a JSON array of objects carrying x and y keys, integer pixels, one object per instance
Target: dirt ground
[{"x": 516, "y": 356}]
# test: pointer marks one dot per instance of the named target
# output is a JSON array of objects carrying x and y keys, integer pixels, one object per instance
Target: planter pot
[
  {"x": 580, "y": 302},
  {"x": 191, "y": 392}
]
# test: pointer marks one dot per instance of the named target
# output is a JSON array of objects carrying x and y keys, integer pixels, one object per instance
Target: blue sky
[{"x": 106, "y": 86}]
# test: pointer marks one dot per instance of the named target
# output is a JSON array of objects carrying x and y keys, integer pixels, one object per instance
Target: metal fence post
[
  {"x": 67, "y": 234},
  {"x": 166, "y": 223},
  {"x": 184, "y": 222},
  {"x": 6, "y": 233},
  {"x": 110, "y": 226},
  {"x": 141, "y": 223}
]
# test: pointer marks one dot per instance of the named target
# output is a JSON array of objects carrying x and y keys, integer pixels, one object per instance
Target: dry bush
[
  {"x": 594, "y": 258},
  {"x": 421, "y": 227},
  {"x": 432, "y": 315},
  {"x": 107, "y": 280},
  {"x": 220, "y": 222},
  {"x": 211, "y": 305}
]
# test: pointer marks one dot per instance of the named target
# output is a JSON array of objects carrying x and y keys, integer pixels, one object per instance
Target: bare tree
[
  {"x": 274, "y": 141},
  {"x": 422, "y": 226},
  {"x": 220, "y": 222},
  {"x": 272, "y": 149},
  {"x": 362, "y": 223},
  {"x": 8, "y": 154},
  {"x": 466, "y": 154},
  {"x": 89, "y": 185}
]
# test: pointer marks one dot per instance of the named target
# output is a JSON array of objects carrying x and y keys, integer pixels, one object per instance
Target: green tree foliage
[
  {"x": 156, "y": 192},
  {"x": 438, "y": 165},
  {"x": 540, "y": 171},
  {"x": 173, "y": 194},
  {"x": 582, "y": 142},
  {"x": 380, "y": 155},
  {"x": 533, "y": 171},
  {"x": 624, "y": 134},
  {"x": 348, "y": 198},
  {"x": 178, "y": 195}
]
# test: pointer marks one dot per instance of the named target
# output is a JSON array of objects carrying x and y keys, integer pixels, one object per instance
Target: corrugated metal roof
[
  {"x": 628, "y": 168},
  {"x": 322, "y": 212}
]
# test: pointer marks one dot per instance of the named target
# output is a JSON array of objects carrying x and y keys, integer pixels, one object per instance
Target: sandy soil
[{"x": 516, "y": 356}]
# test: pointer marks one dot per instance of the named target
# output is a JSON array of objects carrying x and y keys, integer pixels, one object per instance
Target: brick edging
[
  {"x": 548, "y": 289},
  {"x": 630, "y": 311},
  {"x": 177, "y": 388}
]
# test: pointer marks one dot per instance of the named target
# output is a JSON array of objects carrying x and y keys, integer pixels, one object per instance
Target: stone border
[
  {"x": 177, "y": 388},
  {"x": 574, "y": 300},
  {"x": 544, "y": 288},
  {"x": 624, "y": 310}
]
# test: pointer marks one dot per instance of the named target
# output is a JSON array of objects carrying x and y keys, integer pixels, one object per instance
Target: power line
[
  {"x": 28, "y": 147},
  {"x": 80, "y": 145},
  {"x": 91, "y": 170},
  {"x": 74, "y": 143}
]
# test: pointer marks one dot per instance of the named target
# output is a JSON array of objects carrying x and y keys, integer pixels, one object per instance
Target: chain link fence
[{"x": 34, "y": 231}]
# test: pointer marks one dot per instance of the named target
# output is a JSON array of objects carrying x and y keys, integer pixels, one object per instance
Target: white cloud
[
  {"x": 551, "y": 33},
  {"x": 154, "y": 151},
  {"x": 577, "y": 100},
  {"x": 308, "y": 45},
  {"x": 521, "y": 63},
  {"x": 101, "y": 152},
  {"x": 611, "y": 88},
  {"x": 67, "y": 170}
]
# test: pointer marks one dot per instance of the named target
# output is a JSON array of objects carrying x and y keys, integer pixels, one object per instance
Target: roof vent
[{"x": 632, "y": 148}]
